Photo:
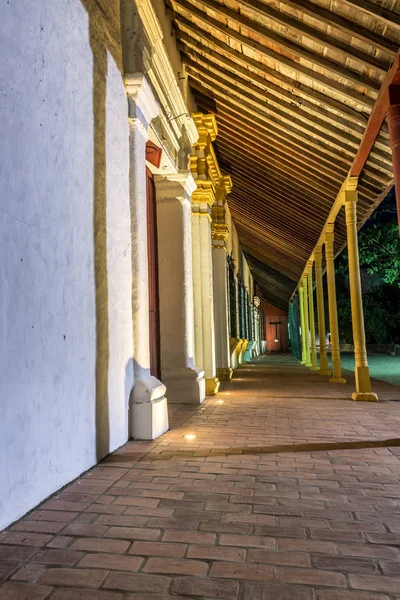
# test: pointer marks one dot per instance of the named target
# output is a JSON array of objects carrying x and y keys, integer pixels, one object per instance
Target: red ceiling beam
[{"x": 377, "y": 117}]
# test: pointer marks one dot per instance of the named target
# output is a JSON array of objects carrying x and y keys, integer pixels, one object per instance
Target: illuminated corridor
[{"x": 244, "y": 498}]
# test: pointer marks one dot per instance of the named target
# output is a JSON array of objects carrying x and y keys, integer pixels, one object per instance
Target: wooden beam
[
  {"x": 308, "y": 188},
  {"x": 316, "y": 36},
  {"x": 275, "y": 92},
  {"x": 376, "y": 119},
  {"x": 296, "y": 92},
  {"x": 313, "y": 77},
  {"x": 300, "y": 202},
  {"x": 285, "y": 45},
  {"x": 372, "y": 130},
  {"x": 305, "y": 158},
  {"x": 246, "y": 94},
  {"x": 280, "y": 163},
  {"x": 389, "y": 17},
  {"x": 294, "y": 158},
  {"x": 286, "y": 197},
  {"x": 273, "y": 203},
  {"x": 352, "y": 29},
  {"x": 282, "y": 138}
]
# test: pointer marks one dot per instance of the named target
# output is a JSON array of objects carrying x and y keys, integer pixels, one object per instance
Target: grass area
[{"x": 382, "y": 366}]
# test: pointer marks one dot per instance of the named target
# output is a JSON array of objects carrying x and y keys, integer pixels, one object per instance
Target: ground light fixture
[
  {"x": 190, "y": 436},
  {"x": 220, "y": 401}
]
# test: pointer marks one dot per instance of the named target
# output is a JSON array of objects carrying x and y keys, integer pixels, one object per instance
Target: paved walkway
[{"x": 287, "y": 492}]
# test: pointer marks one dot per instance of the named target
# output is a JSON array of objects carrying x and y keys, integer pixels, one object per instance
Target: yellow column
[
  {"x": 323, "y": 358},
  {"x": 306, "y": 321},
  {"x": 303, "y": 339},
  {"x": 333, "y": 318},
  {"x": 314, "y": 365},
  {"x": 363, "y": 381}
]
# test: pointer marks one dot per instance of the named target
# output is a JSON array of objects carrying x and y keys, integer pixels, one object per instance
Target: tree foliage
[{"x": 379, "y": 251}]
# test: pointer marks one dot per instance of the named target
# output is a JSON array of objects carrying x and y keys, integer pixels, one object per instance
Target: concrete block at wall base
[
  {"x": 185, "y": 386},
  {"x": 149, "y": 409}
]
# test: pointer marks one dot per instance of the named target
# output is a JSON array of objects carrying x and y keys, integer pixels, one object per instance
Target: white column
[
  {"x": 197, "y": 296},
  {"x": 185, "y": 382},
  {"x": 149, "y": 414},
  {"x": 220, "y": 282},
  {"x": 204, "y": 295},
  {"x": 207, "y": 298}
]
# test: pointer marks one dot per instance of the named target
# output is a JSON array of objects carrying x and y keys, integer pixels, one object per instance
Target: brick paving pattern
[{"x": 289, "y": 491}]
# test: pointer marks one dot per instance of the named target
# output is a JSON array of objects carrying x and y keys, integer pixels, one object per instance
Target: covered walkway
[{"x": 287, "y": 491}]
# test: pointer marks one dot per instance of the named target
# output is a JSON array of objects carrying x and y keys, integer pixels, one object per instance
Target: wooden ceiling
[{"x": 292, "y": 85}]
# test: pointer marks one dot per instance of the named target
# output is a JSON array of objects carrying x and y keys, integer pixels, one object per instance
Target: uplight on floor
[
  {"x": 189, "y": 436},
  {"x": 220, "y": 401}
]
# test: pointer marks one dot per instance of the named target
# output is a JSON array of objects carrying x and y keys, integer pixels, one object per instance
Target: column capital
[
  {"x": 220, "y": 235},
  {"x": 351, "y": 184},
  {"x": 310, "y": 263},
  {"x": 206, "y": 125},
  {"x": 175, "y": 185},
  {"x": 318, "y": 258},
  {"x": 329, "y": 237},
  {"x": 141, "y": 101},
  {"x": 225, "y": 186}
]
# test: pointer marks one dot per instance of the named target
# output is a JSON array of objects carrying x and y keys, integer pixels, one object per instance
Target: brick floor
[{"x": 289, "y": 491}]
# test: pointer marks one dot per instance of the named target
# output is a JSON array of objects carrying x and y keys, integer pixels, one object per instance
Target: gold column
[
  {"x": 314, "y": 365},
  {"x": 363, "y": 381},
  {"x": 306, "y": 321},
  {"x": 303, "y": 339},
  {"x": 333, "y": 318},
  {"x": 323, "y": 358}
]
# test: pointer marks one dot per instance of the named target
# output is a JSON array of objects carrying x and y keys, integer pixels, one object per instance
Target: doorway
[{"x": 152, "y": 251}]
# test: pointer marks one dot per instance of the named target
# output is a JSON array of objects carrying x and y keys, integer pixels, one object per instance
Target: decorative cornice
[
  {"x": 203, "y": 162},
  {"x": 174, "y": 122},
  {"x": 205, "y": 193},
  {"x": 220, "y": 231},
  {"x": 206, "y": 124}
]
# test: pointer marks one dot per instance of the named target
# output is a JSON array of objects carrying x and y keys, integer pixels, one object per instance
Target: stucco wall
[{"x": 65, "y": 271}]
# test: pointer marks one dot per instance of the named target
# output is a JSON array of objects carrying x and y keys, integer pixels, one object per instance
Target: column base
[
  {"x": 185, "y": 386},
  {"x": 212, "y": 386},
  {"x": 249, "y": 351},
  {"x": 312, "y": 368},
  {"x": 243, "y": 352},
  {"x": 235, "y": 345},
  {"x": 225, "y": 374},
  {"x": 324, "y": 372},
  {"x": 337, "y": 380},
  {"x": 365, "y": 397},
  {"x": 308, "y": 364},
  {"x": 149, "y": 414}
]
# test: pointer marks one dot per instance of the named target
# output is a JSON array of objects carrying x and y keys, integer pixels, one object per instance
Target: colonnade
[
  {"x": 211, "y": 283},
  {"x": 305, "y": 303}
]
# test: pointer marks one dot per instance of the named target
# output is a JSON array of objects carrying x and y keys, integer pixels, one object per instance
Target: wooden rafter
[{"x": 296, "y": 89}]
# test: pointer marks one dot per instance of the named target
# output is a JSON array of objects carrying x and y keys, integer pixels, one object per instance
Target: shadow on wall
[{"x": 99, "y": 51}]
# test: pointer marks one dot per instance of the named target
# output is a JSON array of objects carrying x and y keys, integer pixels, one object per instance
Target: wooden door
[{"x": 152, "y": 251}]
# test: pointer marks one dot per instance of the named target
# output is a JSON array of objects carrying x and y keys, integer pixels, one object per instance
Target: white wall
[{"x": 47, "y": 284}]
